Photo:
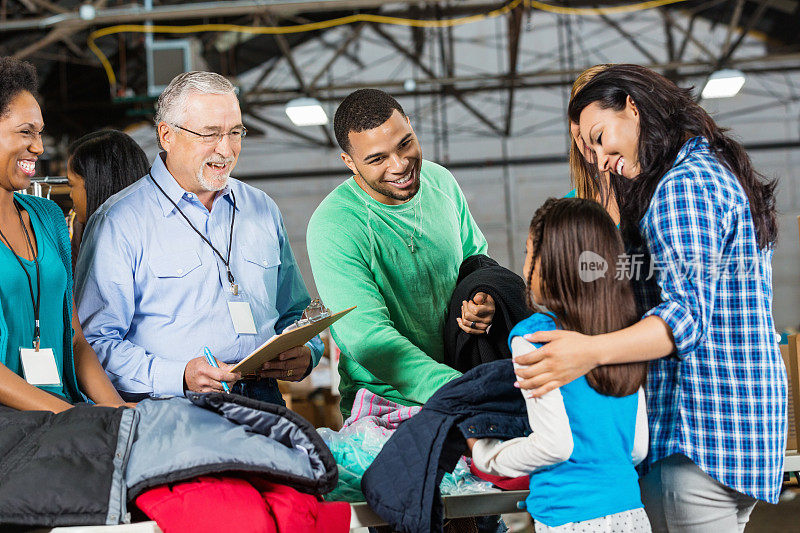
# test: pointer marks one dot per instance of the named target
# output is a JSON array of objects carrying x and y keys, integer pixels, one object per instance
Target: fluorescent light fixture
[
  {"x": 87, "y": 12},
  {"x": 724, "y": 84},
  {"x": 306, "y": 112}
]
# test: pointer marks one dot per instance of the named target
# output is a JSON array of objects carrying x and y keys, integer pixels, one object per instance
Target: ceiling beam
[
  {"x": 628, "y": 37},
  {"x": 286, "y": 49},
  {"x": 514, "y": 38},
  {"x": 447, "y": 88},
  {"x": 354, "y": 34},
  {"x": 541, "y": 79},
  {"x": 201, "y": 10},
  {"x": 728, "y": 52},
  {"x": 285, "y": 129}
]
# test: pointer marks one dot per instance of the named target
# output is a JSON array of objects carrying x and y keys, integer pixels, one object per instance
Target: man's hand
[
  {"x": 291, "y": 365},
  {"x": 565, "y": 356},
  {"x": 199, "y": 376},
  {"x": 477, "y": 315}
]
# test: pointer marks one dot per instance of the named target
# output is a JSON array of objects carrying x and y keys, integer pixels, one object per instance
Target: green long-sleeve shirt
[{"x": 392, "y": 344}]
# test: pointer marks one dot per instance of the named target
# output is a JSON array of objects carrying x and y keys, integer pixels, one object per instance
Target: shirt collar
[
  {"x": 174, "y": 191},
  {"x": 692, "y": 145}
]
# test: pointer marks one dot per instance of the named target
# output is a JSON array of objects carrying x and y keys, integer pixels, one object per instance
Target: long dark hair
[
  {"x": 563, "y": 232},
  {"x": 108, "y": 161},
  {"x": 668, "y": 117}
]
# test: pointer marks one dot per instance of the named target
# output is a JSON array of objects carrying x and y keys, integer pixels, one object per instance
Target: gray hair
[{"x": 172, "y": 102}]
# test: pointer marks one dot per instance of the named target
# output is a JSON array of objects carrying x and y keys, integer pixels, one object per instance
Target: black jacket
[
  {"x": 64, "y": 469},
  {"x": 402, "y": 484},
  {"x": 479, "y": 273}
]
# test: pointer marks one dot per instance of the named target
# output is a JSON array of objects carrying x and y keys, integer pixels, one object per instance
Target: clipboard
[{"x": 286, "y": 340}]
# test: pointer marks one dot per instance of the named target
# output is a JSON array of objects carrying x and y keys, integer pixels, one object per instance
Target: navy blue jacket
[{"x": 402, "y": 485}]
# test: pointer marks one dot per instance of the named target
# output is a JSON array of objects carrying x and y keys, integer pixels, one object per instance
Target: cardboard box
[{"x": 791, "y": 358}]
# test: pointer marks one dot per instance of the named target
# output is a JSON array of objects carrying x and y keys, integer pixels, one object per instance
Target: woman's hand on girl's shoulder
[{"x": 565, "y": 356}]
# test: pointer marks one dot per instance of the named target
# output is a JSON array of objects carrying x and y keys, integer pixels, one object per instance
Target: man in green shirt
[{"x": 390, "y": 240}]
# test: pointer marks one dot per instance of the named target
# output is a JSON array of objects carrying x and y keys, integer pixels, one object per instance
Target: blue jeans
[{"x": 263, "y": 390}]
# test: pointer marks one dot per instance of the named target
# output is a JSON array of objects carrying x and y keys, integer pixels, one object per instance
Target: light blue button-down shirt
[{"x": 151, "y": 294}]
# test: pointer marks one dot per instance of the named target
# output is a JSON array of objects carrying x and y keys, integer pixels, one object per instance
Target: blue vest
[{"x": 599, "y": 478}]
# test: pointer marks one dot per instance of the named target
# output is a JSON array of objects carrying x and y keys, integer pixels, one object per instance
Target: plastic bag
[{"x": 357, "y": 446}]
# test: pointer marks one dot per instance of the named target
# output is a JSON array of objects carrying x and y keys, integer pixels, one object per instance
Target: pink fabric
[{"x": 374, "y": 411}]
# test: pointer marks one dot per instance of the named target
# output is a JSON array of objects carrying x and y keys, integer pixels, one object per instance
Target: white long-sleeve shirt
[{"x": 551, "y": 440}]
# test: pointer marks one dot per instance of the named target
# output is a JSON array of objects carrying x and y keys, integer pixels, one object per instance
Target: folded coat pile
[{"x": 81, "y": 467}]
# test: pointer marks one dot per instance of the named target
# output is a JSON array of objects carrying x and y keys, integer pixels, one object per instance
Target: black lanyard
[
  {"x": 36, "y": 301},
  {"x": 225, "y": 261}
]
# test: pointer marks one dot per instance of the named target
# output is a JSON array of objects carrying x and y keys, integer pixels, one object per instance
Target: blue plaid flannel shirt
[{"x": 721, "y": 398}]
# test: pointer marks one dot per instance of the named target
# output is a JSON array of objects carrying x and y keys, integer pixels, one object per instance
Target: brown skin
[
  {"x": 20, "y": 141},
  {"x": 77, "y": 193},
  {"x": 383, "y": 157},
  {"x": 187, "y": 157},
  {"x": 568, "y": 355}
]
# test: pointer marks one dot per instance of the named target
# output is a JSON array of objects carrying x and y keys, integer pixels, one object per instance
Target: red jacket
[{"x": 212, "y": 504}]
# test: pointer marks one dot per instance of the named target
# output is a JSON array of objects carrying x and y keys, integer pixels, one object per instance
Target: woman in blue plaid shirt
[{"x": 700, "y": 224}]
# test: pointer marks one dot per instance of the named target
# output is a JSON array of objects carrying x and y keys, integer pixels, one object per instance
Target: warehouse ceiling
[{"x": 432, "y": 52}]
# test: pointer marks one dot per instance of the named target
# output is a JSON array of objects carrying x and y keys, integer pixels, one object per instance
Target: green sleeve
[
  {"x": 472, "y": 240},
  {"x": 339, "y": 254}
]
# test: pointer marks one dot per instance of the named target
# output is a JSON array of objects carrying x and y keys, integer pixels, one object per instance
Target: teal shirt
[
  {"x": 17, "y": 306},
  {"x": 54, "y": 228}
]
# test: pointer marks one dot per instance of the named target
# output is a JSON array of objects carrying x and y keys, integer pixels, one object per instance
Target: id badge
[
  {"x": 242, "y": 317},
  {"x": 39, "y": 368}
]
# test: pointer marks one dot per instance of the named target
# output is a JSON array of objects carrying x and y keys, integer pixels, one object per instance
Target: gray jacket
[{"x": 180, "y": 438}]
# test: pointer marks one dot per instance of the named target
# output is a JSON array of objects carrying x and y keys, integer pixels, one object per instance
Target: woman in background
[
  {"x": 100, "y": 165},
  {"x": 587, "y": 181}
]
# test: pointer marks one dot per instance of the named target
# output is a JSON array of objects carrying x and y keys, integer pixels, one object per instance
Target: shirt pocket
[
  {"x": 178, "y": 264},
  {"x": 262, "y": 264}
]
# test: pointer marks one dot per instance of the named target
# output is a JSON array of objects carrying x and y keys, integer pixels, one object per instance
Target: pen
[{"x": 213, "y": 362}]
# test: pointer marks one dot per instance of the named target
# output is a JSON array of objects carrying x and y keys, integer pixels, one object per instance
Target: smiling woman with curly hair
[{"x": 36, "y": 307}]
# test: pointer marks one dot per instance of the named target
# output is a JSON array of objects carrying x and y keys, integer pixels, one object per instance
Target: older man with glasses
[{"x": 188, "y": 258}]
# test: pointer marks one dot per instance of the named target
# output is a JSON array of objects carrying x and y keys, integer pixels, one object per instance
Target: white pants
[
  {"x": 681, "y": 498},
  {"x": 633, "y": 521}
]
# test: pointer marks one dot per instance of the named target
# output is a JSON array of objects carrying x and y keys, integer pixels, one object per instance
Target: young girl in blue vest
[{"x": 587, "y": 436}]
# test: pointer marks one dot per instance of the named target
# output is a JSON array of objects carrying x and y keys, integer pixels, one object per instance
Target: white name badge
[
  {"x": 39, "y": 368},
  {"x": 242, "y": 317}
]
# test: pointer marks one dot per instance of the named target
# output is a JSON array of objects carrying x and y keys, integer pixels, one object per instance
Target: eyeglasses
[{"x": 212, "y": 139}]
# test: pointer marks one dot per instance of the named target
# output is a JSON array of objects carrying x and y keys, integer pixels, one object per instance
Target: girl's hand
[{"x": 565, "y": 356}]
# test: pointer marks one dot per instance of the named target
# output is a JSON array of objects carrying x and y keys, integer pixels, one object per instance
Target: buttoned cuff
[
  {"x": 168, "y": 377},
  {"x": 316, "y": 350},
  {"x": 315, "y": 357}
]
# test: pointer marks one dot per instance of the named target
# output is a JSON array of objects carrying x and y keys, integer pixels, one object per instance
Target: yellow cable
[
  {"x": 350, "y": 19},
  {"x": 588, "y": 11}
]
